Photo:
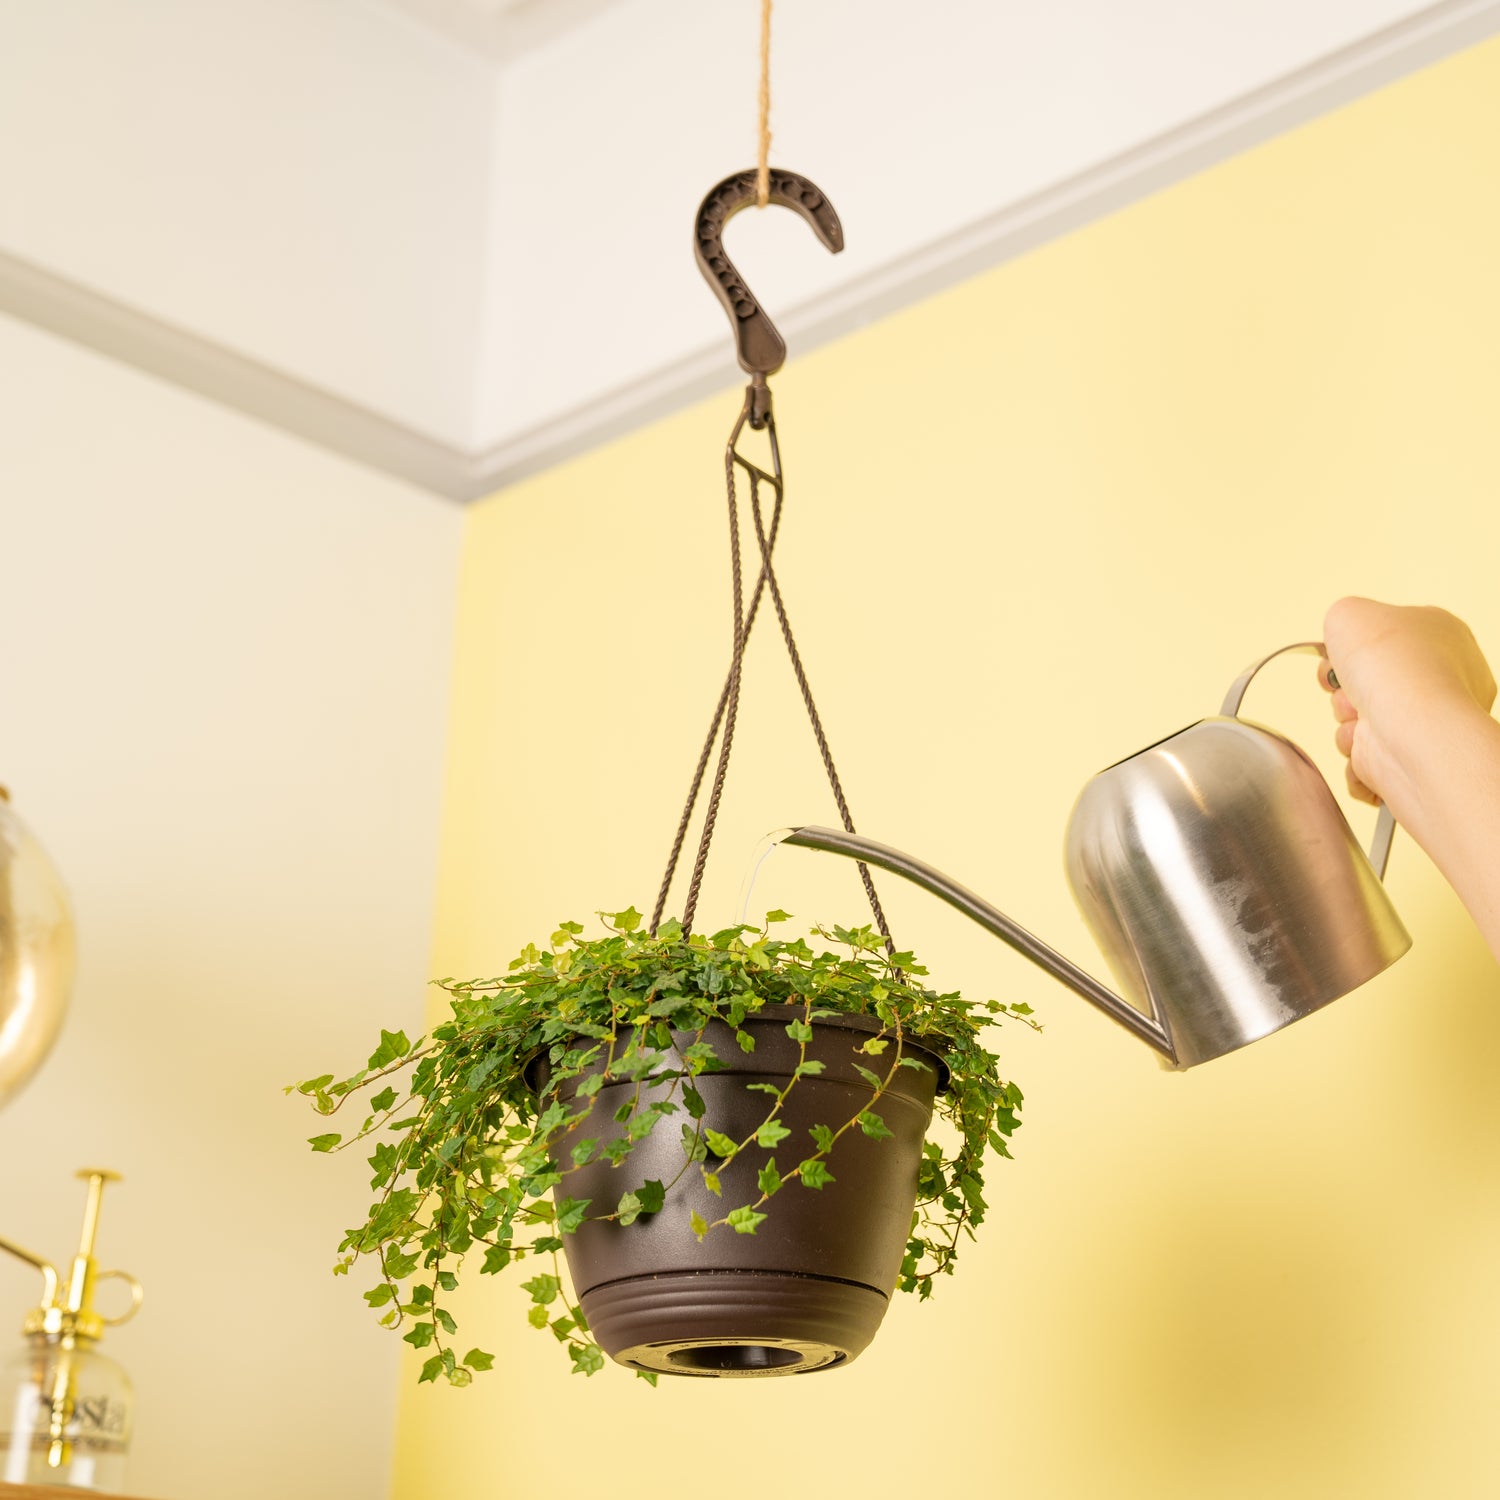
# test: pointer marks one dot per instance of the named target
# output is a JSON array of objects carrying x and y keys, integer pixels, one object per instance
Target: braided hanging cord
[
  {"x": 730, "y": 682},
  {"x": 728, "y": 706},
  {"x": 814, "y": 717}
]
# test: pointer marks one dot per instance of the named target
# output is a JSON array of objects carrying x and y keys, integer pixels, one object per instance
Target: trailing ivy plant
[{"x": 470, "y": 1161}]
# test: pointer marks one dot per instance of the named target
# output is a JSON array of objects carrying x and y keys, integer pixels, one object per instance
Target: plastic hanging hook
[{"x": 760, "y": 348}]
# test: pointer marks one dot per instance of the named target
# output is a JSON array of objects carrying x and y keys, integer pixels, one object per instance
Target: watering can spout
[{"x": 1148, "y": 1028}]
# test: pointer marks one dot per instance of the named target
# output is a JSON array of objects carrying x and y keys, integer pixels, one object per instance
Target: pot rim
[{"x": 835, "y": 1020}]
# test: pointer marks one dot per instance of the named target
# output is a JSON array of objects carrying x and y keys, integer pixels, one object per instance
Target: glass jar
[{"x": 94, "y": 1403}]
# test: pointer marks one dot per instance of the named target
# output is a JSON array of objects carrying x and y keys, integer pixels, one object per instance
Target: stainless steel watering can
[{"x": 1220, "y": 878}]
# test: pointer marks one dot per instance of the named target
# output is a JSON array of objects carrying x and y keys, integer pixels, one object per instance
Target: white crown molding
[
  {"x": 200, "y": 365},
  {"x": 37, "y": 296}
]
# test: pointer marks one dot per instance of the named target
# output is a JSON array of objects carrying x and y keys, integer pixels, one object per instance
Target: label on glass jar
[{"x": 94, "y": 1439}]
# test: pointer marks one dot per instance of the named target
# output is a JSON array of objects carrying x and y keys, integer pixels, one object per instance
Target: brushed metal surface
[{"x": 1225, "y": 887}]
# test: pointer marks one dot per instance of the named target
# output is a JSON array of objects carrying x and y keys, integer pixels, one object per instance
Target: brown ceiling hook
[{"x": 760, "y": 348}]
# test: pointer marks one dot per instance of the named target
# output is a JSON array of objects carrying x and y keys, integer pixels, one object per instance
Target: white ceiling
[
  {"x": 500, "y": 30},
  {"x": 451, "y": 238}
]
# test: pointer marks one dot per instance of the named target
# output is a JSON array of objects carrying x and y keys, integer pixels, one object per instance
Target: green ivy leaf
[
  {"x": 873, "y": 1126},
  {"x": 771, "y": 1134},
  {"x": 694, "y": 1147},
  {"x": 398, "y": 1266},
  {"x": 744, "y": 1220},
  {"x": 653, "y": 1196},
  {"x": 542, "y": 1289},
  {"x": 419, "y": 1335},
  {"x": 720, "y": 1144},
  {"x": 384, "y": 1100},
  {"x": 697, "y": 1223},
  {"x": 973, "y": 1196},
  {"x": 769, "y": 1179},
  {"x": 587, "y": 1358},
  {"x": 393, "y": 1046},
  {"x": 813, "y": 1173},
  {"x": 385, "y": 1161},
  {"x": 570, "y": 1212},
  {"x": 323, "y": 1142},
  {"x": 477, "y": 1359}
]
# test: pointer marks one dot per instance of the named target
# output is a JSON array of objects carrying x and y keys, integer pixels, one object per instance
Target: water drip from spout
[{"x": 763, "y": 851}]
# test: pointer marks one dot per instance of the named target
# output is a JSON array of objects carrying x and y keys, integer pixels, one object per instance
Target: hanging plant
[
  {"x": 729, "y": 1139},
  {"x": 688, "y": 1104}
]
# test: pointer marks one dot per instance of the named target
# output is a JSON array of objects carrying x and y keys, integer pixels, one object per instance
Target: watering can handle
[{"x": 1385, "y": 824}]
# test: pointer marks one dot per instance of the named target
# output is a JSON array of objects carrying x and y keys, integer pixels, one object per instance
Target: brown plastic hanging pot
[{"x": 807, "y": 1291}]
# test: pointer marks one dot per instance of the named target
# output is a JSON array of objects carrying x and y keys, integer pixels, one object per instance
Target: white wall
[
  {"x": 301, "y": 180},
  {"x": 222, "y": 703}
]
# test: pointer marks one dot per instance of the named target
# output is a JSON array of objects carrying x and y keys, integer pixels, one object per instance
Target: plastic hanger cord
[{"x": 757, "y": 403}]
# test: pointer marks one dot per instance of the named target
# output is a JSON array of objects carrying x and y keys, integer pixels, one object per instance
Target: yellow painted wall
[{"x": 1034, "y": 524}]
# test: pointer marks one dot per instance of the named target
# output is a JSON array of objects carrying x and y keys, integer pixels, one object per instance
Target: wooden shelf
[{"x": 48, "y": 1492}]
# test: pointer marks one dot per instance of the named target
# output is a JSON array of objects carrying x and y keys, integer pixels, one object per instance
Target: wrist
[{"x": 1444, "y": 755}]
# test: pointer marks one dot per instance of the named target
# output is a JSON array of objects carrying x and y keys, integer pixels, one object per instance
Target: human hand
[{"x": 1398, "y": 674}]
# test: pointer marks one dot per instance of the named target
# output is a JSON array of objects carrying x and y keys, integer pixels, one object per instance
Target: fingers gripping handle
[{"x": 1385, "y": 823}]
